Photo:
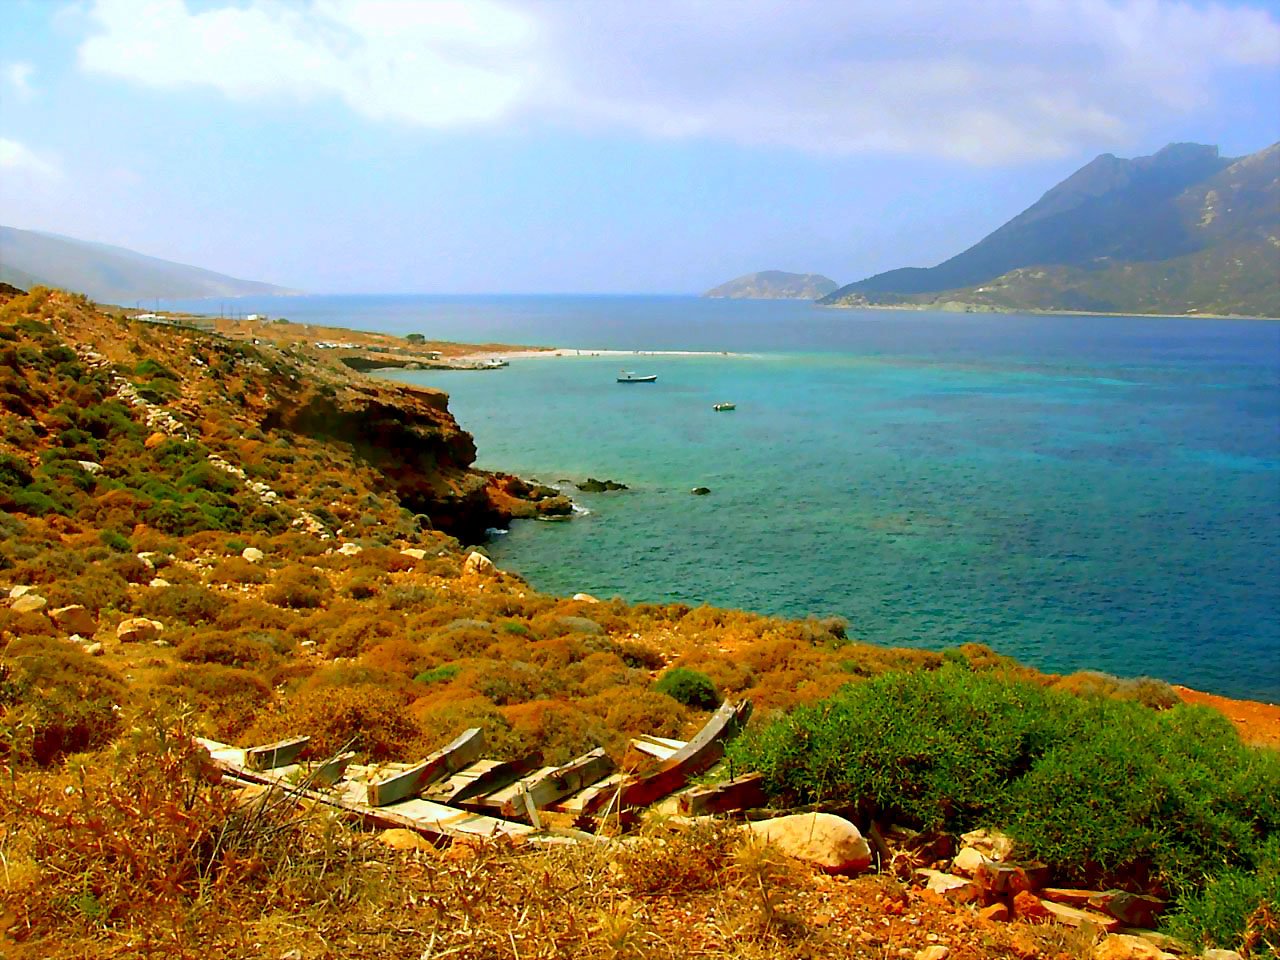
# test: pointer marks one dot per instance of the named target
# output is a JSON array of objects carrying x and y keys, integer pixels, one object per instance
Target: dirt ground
[{"x": 1258, "y": 723}]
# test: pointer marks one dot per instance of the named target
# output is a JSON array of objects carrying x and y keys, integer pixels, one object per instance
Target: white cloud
[
  {"x": 21, "y": 162},
  {"x": 987, "y": 81},
  {"x": 17, "y": 77}
]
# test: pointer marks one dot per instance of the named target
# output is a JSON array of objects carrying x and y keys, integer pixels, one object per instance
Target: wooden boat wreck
[{"x": 457, "y": 793}]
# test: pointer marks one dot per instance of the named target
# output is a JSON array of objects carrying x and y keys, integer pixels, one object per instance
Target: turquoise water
[{"x": 1078, "y": 492}]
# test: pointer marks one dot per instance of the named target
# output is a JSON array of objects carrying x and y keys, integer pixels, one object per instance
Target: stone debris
[
  {"x": 825, "y": 840},
  {"x": 949, "y": 886},
  {"x": 968, "y": 860},
  {"x": 138, "y": 630},
  {"x": 992, "y": 844},
  {"x": 29, "y": 603},
  {"x": 75, "y": 619},
  {"x": 1118, "y": 946}
]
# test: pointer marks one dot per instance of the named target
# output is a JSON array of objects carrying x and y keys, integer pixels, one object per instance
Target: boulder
[
  {"x": 417, "y": 553},
  {"x": 1027, "y": 906},
  {"x": 585, "y": 598},
  {"x": 138, "y": 630},
  {"x": 93, "y": 649},
  {"x": 350, "y": 549},
  {"x": 88, "y": 466},
  {"x": 29, "y": 603},
  {"x": 592, "y": 485},
  {"x": 700, "y": 491},
  {"x": 1118, "y": 946},
  {"x": 478, "y": 565},
  {"x": 74, "y": 619},
  {"x": 159, "y": 582},
  {"x": 20, "y": 591},
  {"x": 252, "y": 554},
  {"x": 148, "y": 557},
  {"x": 400, "y": 839},
  {"x": 580, "y": 625},
  {"x": 1010, "y": 878},
  {"x": 936, "y": 952},
  {"x": 1221, "y": 955},
  {"x": 823, "y": 839}
]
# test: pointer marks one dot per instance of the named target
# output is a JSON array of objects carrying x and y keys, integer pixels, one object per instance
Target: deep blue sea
[{"x": 1078, "y": 492}]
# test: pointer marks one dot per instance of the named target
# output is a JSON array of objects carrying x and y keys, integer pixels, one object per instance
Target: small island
[{"x": 775, "y": 285}]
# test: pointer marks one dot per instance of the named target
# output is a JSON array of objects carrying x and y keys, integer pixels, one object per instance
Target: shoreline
[
  {"x": 962, "y": 307},
  {"x": 533, "y": 353}
]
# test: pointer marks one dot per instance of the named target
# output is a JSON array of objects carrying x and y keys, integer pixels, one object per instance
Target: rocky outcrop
[{"x": 409, "y": 436}]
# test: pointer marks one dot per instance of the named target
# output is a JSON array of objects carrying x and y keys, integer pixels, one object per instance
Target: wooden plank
[
  {"x": 332, "y": 770},
  {"x": 278, "y": 754},
  {"x": 433, "y": 820},
  {"x": 449, "y": 759},
  {"x": 493, "y": 802},
  {"x": 482, "y": 777},
  {"x": 576, "y": 803},
  {"x": 659, "y": 747},
  {"x": 740, "y": 793},
  {"x": 694, "y": 757},
  {"x": 560, "y": 782}
]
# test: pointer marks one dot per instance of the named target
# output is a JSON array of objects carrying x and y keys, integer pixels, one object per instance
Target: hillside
[
  {"x": 204, "y": 536},
  {"x": 1183, "y": 231},
  {"x": 775, "y": 285},
  {"x": 110, "y": 274}
]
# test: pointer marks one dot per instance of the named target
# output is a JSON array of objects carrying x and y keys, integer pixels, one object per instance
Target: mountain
[
  {"x": 1183, "y": 231},
  {"x": 110, "y": 274},
  {"x": 775, "y": 285}
]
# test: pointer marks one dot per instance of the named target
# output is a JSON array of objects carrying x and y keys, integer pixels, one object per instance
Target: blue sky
[{"x": 590, "y": 145}]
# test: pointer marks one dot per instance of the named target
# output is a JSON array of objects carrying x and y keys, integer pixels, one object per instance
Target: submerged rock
[
  {"x": 592, "y": 485},
  {"x": 700, "y": 491}
]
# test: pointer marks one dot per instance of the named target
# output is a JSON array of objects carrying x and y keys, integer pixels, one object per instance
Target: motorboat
[{"x": 628, "y": 376}]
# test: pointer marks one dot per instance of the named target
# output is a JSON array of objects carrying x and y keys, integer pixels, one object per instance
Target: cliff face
[{"x": 409, "y": 437}]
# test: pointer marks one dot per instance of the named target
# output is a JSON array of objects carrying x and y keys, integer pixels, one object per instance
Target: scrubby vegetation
[{"x": 308, "y": 596}]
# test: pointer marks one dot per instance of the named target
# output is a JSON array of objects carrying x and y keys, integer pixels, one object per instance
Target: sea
[{"x": 1078, "y": 492}]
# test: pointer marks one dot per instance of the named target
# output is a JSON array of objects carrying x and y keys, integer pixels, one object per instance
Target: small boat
[
  {"x": 721, "y": 407},
  {"x": 629, "y": 377}
]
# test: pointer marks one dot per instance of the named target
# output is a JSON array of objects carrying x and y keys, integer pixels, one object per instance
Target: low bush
[
  {"x": 299, "y": 588},
  {"x": 1105, "y": 791},
  {"x": 1237, "y": 908},
  {"x": 689, "y": 687}
]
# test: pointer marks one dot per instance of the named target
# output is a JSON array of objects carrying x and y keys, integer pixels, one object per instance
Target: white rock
[
  {"x": 88, "y": 466},
  {"x": 159, "y": 582},
  {"x": 1119, "y": 946},
  {"x": 992, "y": 844},
  {"x": 936, "y": 952},
  {"x": 956, "y": 889},
  {"x": 29, "y": 603},
  {"x": 478, "y": 565},
  {"x": 148, "y": 557},
  {"x": 415, "y": 552},
  {"x": 20, "y": 591},
  {"x": 585, "y": 598},
  {"x": 94, "y": 650},
  {"x": 252, "y": 554},
  {"x": 350, "y": 549},
  {"x": 823, "y": 839}
]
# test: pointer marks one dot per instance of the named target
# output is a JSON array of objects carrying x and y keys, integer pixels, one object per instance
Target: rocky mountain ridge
[{"x": 775, "y": 285}]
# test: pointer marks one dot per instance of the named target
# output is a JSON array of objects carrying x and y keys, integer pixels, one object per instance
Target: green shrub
[
  {"x": 299, "y": 588},
  {"x": 1237, "y": 909},
  {"x": 689, "y": 687},
  {"x": 116, "y": 541},
  {"x": 446, "y": 671},
  {"x": 182, "y": 603},
  {"x": 1105, "y": 791}
]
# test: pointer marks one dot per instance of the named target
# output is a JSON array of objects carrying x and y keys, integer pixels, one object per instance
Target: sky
[{"x": 594, "y": 146}]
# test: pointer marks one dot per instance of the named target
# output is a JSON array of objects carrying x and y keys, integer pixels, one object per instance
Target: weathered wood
[
  {"x": 482, "y": 777},
  {"x": 740, "y": 793},
  {"x": 575, "y": 803},
  {"x": 694, "y": 757},
  {"x": 660, "y": 747},
  {"x": 493, "y": 802},
  {"x": 332, "y": 770},
  {"x": 431, "y": 819},
  {"x": 272, "y": 755},
  {"x": 449, "y": 759},
  {"x": 559, "y": 783}
]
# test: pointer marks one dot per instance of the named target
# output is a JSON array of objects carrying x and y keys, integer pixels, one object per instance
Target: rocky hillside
[
  {"x": 775, "y": 285},
  {"x": 109, "y": 273},
  {"x": 204, "y": 537},
  {"x": 1183, "y": 231}
]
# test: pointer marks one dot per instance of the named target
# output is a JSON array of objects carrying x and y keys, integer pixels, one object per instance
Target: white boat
[
  {"x": 720, "y": 407},
  {"x": 628, "y": 376}
]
